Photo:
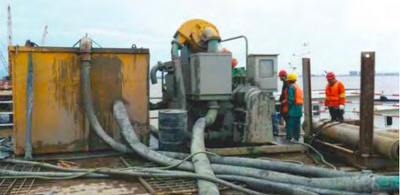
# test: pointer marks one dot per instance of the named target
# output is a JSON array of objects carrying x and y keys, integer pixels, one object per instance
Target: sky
[{"x": 332, "y": 33}]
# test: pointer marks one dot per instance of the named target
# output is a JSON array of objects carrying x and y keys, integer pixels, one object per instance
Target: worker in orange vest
[
  {"x": 335, "y": 97},
  {"x": 294, "y": 103}
]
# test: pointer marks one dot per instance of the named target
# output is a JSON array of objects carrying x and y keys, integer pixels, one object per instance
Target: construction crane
[
  {"x": 44, "y": 36},
  {"x": 9, "y": 26},
  {"x": 3, "y": 61}
]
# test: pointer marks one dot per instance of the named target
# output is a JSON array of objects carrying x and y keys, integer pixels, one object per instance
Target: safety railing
[
  {"x": 357, "y": 112},
  {"x": 376, "y": 94},
  {"x": 355, "y": 102}
]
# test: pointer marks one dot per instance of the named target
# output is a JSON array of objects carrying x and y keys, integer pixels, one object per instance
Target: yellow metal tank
[{"x": 58, "y": 120}]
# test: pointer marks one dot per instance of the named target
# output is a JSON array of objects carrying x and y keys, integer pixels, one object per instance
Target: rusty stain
[
  {"x": 66, "y": 93},
  {"x": 59, "y": 123}
]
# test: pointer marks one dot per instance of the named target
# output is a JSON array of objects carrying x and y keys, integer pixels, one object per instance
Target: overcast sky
[{"x": 336, "y": 31}]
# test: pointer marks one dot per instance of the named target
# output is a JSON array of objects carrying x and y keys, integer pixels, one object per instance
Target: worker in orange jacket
[
  {"x": 335, "y": 97},
  {"x": 293, "y": 103}
]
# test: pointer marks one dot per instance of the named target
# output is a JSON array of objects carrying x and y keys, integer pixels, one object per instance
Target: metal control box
[
  {"x": 209, "y": 76},
  {"x": 262, "y": 71}
]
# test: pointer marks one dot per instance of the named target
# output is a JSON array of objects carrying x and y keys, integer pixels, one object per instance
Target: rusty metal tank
[{"x": 58, "y": 119}]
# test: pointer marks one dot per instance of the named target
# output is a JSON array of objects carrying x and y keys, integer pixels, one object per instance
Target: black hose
[
  {"x": 87, "y": 98},
  {"x": 29, "y": 109},
  {"x": 284, "y": 167},
  {"x": 282, "y": 188},
  {"x": 200, "y": 161},
  {"x": 153, "y": 72}
]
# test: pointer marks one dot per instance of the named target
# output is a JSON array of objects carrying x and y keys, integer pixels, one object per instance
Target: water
[{"x": 385, "y": 84}]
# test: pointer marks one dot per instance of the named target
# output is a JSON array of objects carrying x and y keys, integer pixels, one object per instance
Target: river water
[{"x": 386, "y": 84}]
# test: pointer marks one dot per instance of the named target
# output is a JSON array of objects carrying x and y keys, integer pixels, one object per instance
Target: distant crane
[
  {"x": 44, "y": 36},
  {"x": 3, "y": 61},
  {"x": 9, "y": 26}
]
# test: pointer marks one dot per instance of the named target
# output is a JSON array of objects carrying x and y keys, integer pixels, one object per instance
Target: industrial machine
[{"x": 200, "y": 76}]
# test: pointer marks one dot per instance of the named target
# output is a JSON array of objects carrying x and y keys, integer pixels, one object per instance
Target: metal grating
[
  {"x": 16, "y": 186},
  {"x": 165, "y": 186}
]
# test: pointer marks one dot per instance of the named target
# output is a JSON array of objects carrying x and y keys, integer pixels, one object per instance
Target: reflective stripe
[{"x": 342, "y": 95}]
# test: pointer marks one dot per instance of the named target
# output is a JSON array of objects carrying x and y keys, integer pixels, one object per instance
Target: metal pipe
[
  {"x": 153, "y": 72},
  {"x": 29, "y": 109},
  {"x": 179, "y": 80},
  {"x": 246, "y": 42},
  {"x": 212, "y": 46},
  {"x": 200, "y": 161},
  {"x": 307, "y": 97},
  {"x": 349, "y": 135}
]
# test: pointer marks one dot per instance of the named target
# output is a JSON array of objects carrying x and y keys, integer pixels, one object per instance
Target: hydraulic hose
[
  {"x": 29, "y": 109},
  {"x": 200, "y": 161},
  {"x": 282, "y": 188},
  {"x": 49, "y": 175},
  {"x": 85, "y": 49},
  {"x": 268, "y": 186},
  {"x": 153, "y": 72},
  {"x": 285, "y": 167}
]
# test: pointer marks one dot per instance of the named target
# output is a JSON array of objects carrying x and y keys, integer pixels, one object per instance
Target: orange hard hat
[
  {"x": 282, "y": 73},
  {"x": 234, "y": 62},
  {"x": 330, "y": 75}
]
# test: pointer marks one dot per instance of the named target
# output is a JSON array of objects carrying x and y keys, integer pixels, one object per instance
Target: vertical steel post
[
  {"x": 307, "y": 96},
  {"x": 367, "y": 103}
]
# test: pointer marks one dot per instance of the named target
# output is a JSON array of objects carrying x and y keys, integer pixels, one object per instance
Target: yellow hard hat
[{"x": 292, "y": 77}]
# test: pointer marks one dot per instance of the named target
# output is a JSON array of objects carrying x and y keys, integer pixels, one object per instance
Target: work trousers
[
  {"x": 293, "y": 128},
  {"x": 336, "y": 114},
  {"x": 275, "y": 123}
]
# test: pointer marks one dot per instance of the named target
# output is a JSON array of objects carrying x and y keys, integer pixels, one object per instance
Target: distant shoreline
[{"x": 347, "y": 75}]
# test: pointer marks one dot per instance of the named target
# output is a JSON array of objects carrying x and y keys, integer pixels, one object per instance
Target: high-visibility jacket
[
  {"x": 298, "y": 97},
  {"x": 335, "y": 95}
]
